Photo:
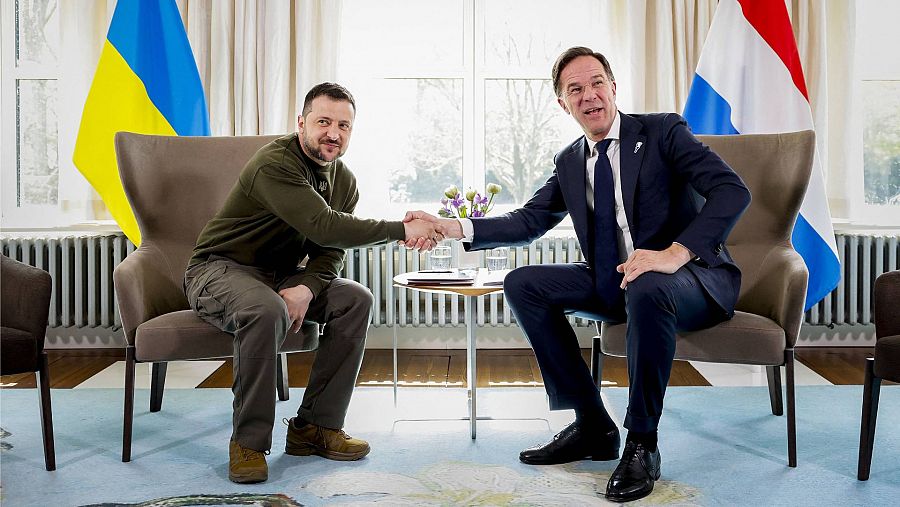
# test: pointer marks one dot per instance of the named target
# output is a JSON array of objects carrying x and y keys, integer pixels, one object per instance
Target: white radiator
[
  {"x": 81, "y": 268},
  {"x": 863, "y": 258},
  {"x": 83, "y": 294}
]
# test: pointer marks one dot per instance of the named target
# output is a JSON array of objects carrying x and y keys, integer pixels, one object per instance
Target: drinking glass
[
  {"x": 497, "y": 258},
  {"x": 440, "y": 257}
]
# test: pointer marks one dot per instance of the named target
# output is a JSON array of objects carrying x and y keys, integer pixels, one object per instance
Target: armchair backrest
[
  {"x": 776, "y": 168},
  {"x": 175, "y": 185}
]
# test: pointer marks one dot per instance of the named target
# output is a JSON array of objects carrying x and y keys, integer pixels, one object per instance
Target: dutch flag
[{"x": 749, "y": 81}]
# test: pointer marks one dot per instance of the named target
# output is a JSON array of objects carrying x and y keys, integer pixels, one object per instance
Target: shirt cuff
[
  {"x": 692, "y": 254},
  {"x": 468, "y": 230}
]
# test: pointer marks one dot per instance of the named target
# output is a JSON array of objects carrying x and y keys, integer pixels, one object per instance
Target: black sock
[
  {"x": 299, "y": 422},
  {"x": 648, "y": 438},
  {"x": 595, "y": 417}
]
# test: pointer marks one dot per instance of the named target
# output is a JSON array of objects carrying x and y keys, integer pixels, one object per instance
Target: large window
[
  {"x": 879, "y": 92},
  {"x": 455, "y": 92},
  {"x": 30, "y": 157}
]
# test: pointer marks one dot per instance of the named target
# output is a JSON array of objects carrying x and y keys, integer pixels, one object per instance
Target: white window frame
[{"x": 29, "y": 216}]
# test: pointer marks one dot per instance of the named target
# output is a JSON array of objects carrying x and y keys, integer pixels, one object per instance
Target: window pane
[
  {"x": 524, "y": 128},
  {"x": 406, "y": 144},
  {"x": 431, "y": 157},
  {"x": 881, "y": 141},
  {"x": 37, "y": 31},
  {"x": 394, "y": 35},
  {"x": 36, "y": 144},
  {"x": 532, "y": 33}
]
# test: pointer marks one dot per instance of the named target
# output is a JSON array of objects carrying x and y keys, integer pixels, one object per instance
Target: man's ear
[
  {"x": 562, "y": 104},
  {"x": 300, "y": 123}
]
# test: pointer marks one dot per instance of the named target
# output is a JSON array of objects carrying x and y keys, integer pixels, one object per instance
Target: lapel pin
[{"x": 637, "y": 146}]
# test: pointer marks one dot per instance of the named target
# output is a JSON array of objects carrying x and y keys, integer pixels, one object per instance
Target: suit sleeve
[
  {"x": 726, "y": 195},
  {"x": 520, "y": 227}
]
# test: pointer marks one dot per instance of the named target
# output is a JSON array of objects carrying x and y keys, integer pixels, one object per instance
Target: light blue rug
[{"x": 720, "y": 446}]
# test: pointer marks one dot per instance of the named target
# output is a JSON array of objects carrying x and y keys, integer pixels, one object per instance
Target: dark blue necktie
[{"x": 606, "y": 245}]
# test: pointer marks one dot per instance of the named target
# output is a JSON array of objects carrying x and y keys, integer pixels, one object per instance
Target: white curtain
[
  {"x": 661, "y": 42},
  {"x": 257, "y": 59}
]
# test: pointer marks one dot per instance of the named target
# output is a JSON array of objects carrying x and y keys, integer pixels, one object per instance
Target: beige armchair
[
  {"x": 884, "y": 366},
  {"x": 776, "y": 169},
  {"x": 175, "y": 185}
]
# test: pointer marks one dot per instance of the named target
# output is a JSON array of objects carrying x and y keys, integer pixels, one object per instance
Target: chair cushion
[
  {"x": 887, "y": 358},
  {"x": 183, "y": 335},
  {"x": 18, "y": 351},
  {"x": 745, "y": 339}
]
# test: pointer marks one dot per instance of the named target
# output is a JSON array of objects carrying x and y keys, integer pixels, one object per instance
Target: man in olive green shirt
[{"x": 294, "y": 199}]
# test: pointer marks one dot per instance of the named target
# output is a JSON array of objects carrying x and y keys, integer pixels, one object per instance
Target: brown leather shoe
[
  {"x": 325, "y": 442},
  {"x": 246, "y": 465}
]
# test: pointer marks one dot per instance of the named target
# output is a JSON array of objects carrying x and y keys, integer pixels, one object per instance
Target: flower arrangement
[{"x": 454, "y": 206}]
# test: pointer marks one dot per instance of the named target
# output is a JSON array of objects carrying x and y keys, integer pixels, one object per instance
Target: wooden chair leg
[
  {"x": 46, "y": 414},
  {"x": 773, "y": 375},
  {"x": 281, "y": 383},
  {"x": 871, "y": 392},
  {"x": 129, "y": 404},
  {"x": 157, "y": 385},
  {"x": 596, "y": 362},
  {"x": 791, "y": 412}
]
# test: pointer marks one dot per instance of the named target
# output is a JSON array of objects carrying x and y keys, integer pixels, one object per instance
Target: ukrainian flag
[{"x": 146, "y": 82}]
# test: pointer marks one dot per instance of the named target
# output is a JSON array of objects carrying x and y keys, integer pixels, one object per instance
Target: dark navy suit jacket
[{"x": 664, "y": 179}]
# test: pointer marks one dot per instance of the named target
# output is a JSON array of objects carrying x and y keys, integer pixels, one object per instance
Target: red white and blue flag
[{"x": 749, "y": 81}]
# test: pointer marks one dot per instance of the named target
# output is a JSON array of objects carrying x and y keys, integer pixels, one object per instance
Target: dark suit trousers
[{"x": 656, "y": 306}]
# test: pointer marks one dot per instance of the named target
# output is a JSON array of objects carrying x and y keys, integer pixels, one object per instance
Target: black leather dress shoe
[
  {"x": 574, "y": 443},
  {"x": 637, "y": 472}
]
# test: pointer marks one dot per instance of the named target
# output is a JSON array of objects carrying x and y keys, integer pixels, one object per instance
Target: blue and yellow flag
[{"x": 146, "y": 82}]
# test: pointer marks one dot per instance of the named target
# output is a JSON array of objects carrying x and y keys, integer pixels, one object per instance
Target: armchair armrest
[
  {"x": 780, "y": 291},
  {"x": 25, "y": 298},
  {"x": 144, "y": 289},
  {"x": 887, "y": 299}
]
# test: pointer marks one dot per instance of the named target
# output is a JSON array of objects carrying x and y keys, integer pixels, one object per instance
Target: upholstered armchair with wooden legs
[
  {"x": 884, "y": 366},
  {"x": 175, "y": 185},
  {"x": 776, "y": 169},
  {"x": 24, "y": 306}
]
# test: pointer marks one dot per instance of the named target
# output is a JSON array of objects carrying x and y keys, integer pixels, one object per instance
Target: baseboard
[{"x": 454, "y": 337}]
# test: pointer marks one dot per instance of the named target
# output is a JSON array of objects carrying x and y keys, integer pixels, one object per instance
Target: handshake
[{"x": 424, "y": 231}]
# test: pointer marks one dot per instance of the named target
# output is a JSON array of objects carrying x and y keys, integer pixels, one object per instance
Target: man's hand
[
  {"x": 297, "y": 300},
  {"x": 445, "y": 227},
  {"x": 420, "y": 235},
  {"x": 641, "y": 261}
]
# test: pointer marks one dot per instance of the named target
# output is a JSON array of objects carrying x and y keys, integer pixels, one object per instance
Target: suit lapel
[
  {"x": 573, "y": 183},
  {"x": 631, "y": 155}
]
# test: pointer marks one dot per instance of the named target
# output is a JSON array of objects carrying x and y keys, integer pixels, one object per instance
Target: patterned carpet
[{"x": 720, "y": 445}]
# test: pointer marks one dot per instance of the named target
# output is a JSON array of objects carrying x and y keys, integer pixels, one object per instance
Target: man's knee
[
  {"x": 649, "y": 291},
  {"x": 519, "y": 282},
  {"x": 356, "y": 297},
  {"x": 267, "y": 313}
]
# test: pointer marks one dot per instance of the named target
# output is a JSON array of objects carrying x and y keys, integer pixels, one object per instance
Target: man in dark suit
[{"x": 655, "y": 256}]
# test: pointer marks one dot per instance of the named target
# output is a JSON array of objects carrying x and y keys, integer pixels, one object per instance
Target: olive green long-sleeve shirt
[{"x": 284, "y": 207}]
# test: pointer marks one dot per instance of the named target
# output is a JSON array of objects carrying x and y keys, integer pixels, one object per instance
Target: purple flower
[
  {"x": 479, "y": 200},
  {"x": 457, "y": 201},
  {"x": 477, "y": 213},
  {"x": 444, "y": 201}
]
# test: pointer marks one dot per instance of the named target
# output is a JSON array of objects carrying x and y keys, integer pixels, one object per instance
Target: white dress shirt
[{"x": 626, "y": 244}]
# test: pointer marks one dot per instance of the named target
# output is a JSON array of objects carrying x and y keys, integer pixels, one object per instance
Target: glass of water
[
  {"x": 440, "y": 257},
  {"x": 497, "y": 258}
]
